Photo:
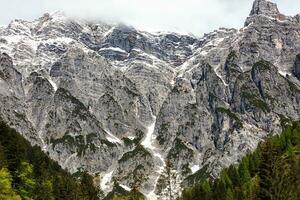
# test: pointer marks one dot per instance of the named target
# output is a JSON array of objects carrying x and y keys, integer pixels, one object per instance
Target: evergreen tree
[
  {"x": 26, "y": 185},
  {"x": 6, "y": 190},
  {"x": 244, "y": 173},
  {"x": 266, "y": 173},
  {"x": 28, "y": 172},
  {"x": 270, "y": 172},
  {"x": 87, "y": 186},
  {"x": 44, "y": 189},
  {"x": 3, "y": 161}
]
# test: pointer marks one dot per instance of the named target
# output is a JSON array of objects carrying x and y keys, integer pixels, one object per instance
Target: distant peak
[
  {"x": 264, "y": 7},
  {"x": 56, "y": 16}
]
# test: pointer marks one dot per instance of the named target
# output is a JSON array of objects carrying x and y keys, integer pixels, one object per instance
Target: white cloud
[{"x": 195, "y": 16}]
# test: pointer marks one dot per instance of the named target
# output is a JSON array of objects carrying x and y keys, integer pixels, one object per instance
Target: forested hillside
[
  {"x": 271, "y": 172},
  {"x": 27, "y": 173}
]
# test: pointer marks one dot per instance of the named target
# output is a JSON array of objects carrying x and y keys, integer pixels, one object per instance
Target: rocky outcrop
[
  {"x": 123, "y": 103},
  {"x": 297, "y": 67},
  {"x": 264, "y": 7}
]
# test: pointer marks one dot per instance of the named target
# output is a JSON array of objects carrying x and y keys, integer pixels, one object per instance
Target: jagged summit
[
  {"x": 262, "y": 10},
  {"x": 57, "y": 15},
  {"x": 264, "y": 7},
  {"x": 118, "y": 101}
]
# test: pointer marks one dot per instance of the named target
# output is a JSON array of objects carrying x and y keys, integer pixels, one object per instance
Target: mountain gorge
[{"x": 123, "y": 104}]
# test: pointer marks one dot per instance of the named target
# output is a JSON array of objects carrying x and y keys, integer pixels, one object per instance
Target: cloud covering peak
[{"x": 189, "y": 16}]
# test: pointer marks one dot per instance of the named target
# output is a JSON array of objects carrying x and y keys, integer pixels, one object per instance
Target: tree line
[
  {"x": 28, "y": 173},
  {"x": 271, "y": 172}
]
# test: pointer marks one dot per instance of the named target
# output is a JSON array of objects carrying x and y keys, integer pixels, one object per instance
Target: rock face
[
  {"x": 297, "y": 67},
  {"x": 122, "y": 103},
  {"x": 263, "y": 7}
]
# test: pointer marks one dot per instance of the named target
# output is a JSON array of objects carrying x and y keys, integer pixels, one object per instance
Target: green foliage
[
  {"x": 255, "y": 101},
  {"x": 119, "y": 193},
  {"x": 79, "y": 110},
  {"x": 6, "y": 190},
  {"x": 231, "y": 115},
  {"x": 139, "y": 135},
  {"x": 87, "y": 187},
  {"x": 28, "y": 173},
  {"x": 199, "y": 175},
  {"x": 26, "y": 181},
  {"x": 262, "y": 65},
  {"x": 201, "y": 189},
  {"x": 132, "y": 154},
  {"x": 178, "y": 147},
  {"x": 271, "y": 172},
  {"x": 80, "y": 142},
  {"x": 128, "y": 197}
]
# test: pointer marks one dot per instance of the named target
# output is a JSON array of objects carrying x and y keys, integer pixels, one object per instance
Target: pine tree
[
  {"x": 33, "y": 175},
  {"x": 271, "y": 172},
  {"x": 234, "y": 175},
  {"x": 3, "y": 162},
  {"x": 26, "y": 186},
  {"x": 266, "y": 170},
  {"x": 44, "y": 189},
  {"x": 244, "y": 173},
  {"x": 87, "y": 187},
  {"x": 6, "y": 190}
]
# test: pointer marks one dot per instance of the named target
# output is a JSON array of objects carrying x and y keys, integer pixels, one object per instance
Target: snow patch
[
  {"x": 111, "y": 138},
  {"x": 182, "y": 68},
  {"x": 203, "y": 53},
  {"x": 14, "y": 39},
  {"x": 125, "y": 187},
  {"x": 214, "y": 42},
  {"x": 142, "y": 53},
  {"x": 195, "y": 168},
  {"x": 106, "y": 179},
  {"x": 65, "y": 40},
  {"x": 53, "y": 84},
  {"x": 284, "y": 73},
  {"x": 131, "y": 137},
  {"x": 148, "y": 144},
  {"x": 108, "y": 32},
  {"x": 113, "y": 49},
  {"x": 219, "y": 75}
]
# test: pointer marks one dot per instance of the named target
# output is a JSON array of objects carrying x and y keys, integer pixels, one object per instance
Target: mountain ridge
[{"x": 89, "y": 94}]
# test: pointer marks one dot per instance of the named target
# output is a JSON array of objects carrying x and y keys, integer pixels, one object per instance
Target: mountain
[
  {"x": 270, "y": 172},
  {"x": 130, "y": 106},
  {"x": 28, "y": 173}
]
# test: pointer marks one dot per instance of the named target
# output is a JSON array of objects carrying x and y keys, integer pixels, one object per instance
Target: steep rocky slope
[{"x": 120, "y": 102}]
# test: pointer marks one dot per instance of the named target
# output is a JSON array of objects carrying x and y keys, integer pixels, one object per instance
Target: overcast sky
[{"x": 188, "y": 16}]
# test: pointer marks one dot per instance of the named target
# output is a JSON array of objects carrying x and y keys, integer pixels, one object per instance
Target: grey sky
[{"x": 190, "y": 16}]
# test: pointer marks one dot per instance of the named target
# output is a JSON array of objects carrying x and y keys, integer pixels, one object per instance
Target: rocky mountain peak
[
  {"x": 263, "y": 7},
  {"x": 119, "y": 102}
]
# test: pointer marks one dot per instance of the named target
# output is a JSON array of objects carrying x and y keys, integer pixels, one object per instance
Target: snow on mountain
[{"x": 87, "y": 93}]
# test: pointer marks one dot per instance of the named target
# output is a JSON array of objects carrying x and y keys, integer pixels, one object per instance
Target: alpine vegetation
[{"x": 149, "y": 114}]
